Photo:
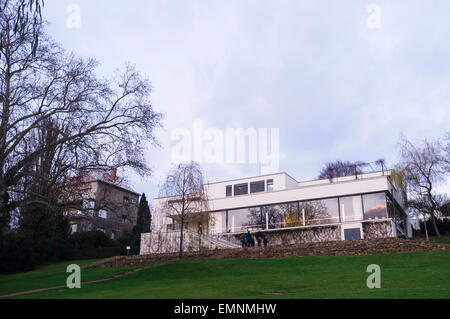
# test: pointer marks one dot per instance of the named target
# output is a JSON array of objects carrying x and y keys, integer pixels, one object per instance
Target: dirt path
[{"x": 82, "y": 283}]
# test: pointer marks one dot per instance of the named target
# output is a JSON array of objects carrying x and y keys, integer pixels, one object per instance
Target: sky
[{"x": 330, "y": 79}]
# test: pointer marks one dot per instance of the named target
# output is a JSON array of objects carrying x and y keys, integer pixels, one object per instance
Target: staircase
[{"x": 211, "y": 241}]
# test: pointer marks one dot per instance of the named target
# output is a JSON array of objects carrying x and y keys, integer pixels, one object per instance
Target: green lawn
[
  {"x": 405, "y": 275},
  {"x": 51, "y": 276}
]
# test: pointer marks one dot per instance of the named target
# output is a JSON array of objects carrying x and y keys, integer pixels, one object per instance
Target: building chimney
[{"x": 113, "y": 174}]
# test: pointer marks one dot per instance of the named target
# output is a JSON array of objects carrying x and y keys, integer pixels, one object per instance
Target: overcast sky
[{"x": 338, "y": 80}]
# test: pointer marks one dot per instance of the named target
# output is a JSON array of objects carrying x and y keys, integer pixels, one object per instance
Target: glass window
[
  {"x": 241, "y": 189},
  {"x": 88, "y": 204},
  {"x": 316, "y": 212},
  {"x": 256, "y": 187},
  {"x": 270, "y": 185},
  {"x": 102, "y": 213},
  {"x": 273, "y": 216},
  {"x": 218, "y": 222},
  {"x": 351, "y": 208},
  {"x": 374, "y": 206},
  {"x": 243, "y": 219},
  {"x": 228, "y": 191},
  {"x": 400, "y": 222},
  {"x": 390, "y": 207}
]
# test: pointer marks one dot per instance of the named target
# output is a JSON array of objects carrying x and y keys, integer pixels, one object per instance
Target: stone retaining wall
[
  {"x": 152, "y": 243},
  {"x": 169, "y": 242},
  {"x": 351, "y": 247}
]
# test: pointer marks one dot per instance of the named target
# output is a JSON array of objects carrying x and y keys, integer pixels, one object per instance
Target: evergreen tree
[
  {"x": 133, "y": 239},
  {"x": 144, "y": 217}
]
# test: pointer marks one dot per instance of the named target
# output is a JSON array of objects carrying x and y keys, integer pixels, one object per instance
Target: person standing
[
  {"x": 265, "y": 240},
  {"x": 259, "y": 238}
]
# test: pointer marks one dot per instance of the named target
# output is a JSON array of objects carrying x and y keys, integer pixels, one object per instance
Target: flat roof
[
  {"x": 257, "y": 176},
  {"x": 343, "y": 179}
]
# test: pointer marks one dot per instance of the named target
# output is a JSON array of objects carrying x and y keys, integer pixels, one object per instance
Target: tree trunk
[
  {"x": 433, "y": 219},
  {"x": 433, "y": 209},
  {"x": 181, "y": 238},
  {"x": 4, "y": 212},
  {"x": 425, "y": 226}
]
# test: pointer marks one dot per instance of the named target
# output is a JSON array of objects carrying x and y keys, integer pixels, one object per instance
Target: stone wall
[
  {"x": 297, "y": 235},
  {"x": 377, "y": 229},
  {"x": 347, "y": 247},
  {"x": 153, "y": 243},
  {"x": 169, "y": 242}
]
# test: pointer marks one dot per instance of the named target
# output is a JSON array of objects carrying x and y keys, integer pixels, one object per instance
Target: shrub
[
  {"x": 443, "y": 227},
  {"x": 129, "y": 239},
  {"x": 91, "y": 239},
  {"x": 16, "y": 253}
]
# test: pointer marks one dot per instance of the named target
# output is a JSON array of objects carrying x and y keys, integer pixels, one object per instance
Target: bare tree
[
  {"x": 340, "y": 169},
  {"x": 95, "y": 123},
  {"x": 423, "y": 169},
  {"x": 446, "y": 149},
  {"x": 381, "y": 163},
  {"x": 186, "y": 199}
]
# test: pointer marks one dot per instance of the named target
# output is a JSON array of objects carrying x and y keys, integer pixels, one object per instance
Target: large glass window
[
  {"x": 374, "y": 206},
  {"x": 351, "y": 208},
  {"x": 241, "y": 189},
  {"x": 243, "y": 219},
  {"x": 291, "y": 216},
  {"x": 325, "y": 211},
  {"x": 256, "y": 187},
  {"x": 218, "y": 222},
  {"x": 397, "y": 216},
  {"x": 280, "y": 216}
]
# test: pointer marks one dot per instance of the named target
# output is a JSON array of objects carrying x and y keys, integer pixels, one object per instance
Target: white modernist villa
[{"x": 367, "y": 205}]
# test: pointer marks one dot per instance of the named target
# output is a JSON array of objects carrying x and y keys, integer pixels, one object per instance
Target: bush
[
  {"x": 21, "y": 251},
  {"x": 16, "y": 253},
  {"x": 91, "y": 239},
  {"x": 94, "y": 253},
  {"x": 443, "y": 227},
  {"x": 129, "y": 239}
]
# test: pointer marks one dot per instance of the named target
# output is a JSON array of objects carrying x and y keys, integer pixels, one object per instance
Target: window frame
[
  {"x": 230, "y": 193},
  {"x": 269, "y": 185},
  {"x": 257, "y": 184},
  {"x": 236, "y": 186}
]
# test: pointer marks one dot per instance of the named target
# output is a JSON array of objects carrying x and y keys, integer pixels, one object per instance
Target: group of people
[{"x": 248, "y": 240}]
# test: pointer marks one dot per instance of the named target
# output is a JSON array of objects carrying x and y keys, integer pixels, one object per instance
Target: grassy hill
[{"x": 403, "y": 275}]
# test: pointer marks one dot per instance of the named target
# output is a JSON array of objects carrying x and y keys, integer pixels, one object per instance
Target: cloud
[{"x": 335, "y": 88}]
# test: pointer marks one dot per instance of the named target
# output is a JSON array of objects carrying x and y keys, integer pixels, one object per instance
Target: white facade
[{"x": 349, "y": 197}]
